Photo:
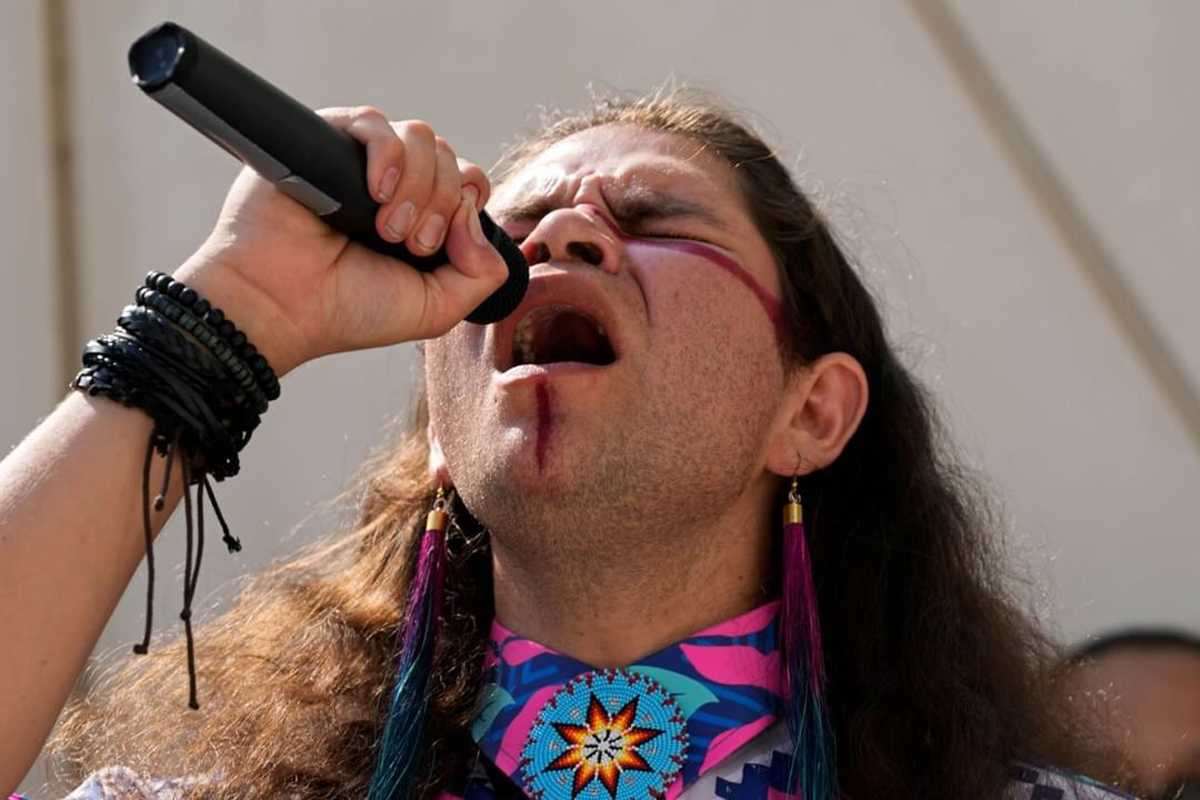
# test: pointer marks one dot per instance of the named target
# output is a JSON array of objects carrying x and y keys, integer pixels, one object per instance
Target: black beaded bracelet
[
  {"x": 189, "y": 299},
  {"x": 236, "y": 367}
]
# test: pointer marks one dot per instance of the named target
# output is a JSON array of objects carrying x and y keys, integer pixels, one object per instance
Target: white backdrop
[{"x": 1043, "y": 390}]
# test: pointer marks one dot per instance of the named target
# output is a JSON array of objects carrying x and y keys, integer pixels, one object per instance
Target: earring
[
  {"x": 438, "y": 517},
  {"x": 400, "y": 747},
  {"x": 813, "y": 761}
]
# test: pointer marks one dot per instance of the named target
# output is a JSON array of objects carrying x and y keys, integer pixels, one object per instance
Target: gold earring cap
[
  {"x": 436, "y": 521},
  {"x": 793, "y": 511}
]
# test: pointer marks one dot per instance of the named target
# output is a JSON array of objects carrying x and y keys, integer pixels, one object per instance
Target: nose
[{"x": 570, "y": 234}]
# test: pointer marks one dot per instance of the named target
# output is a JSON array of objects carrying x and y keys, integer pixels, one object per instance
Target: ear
[
  {"x": 823, "y": 404},
  {"x": 438, "y": 471}
]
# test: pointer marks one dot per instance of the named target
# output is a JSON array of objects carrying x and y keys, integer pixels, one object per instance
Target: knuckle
[
  {"x": 418, "y": 176},
  {"x": 367, "y": 112},
  {"x": 447, "y": 194},
  {"x": 472, "y": 173},
  {"x": 418, "y": 128},
  {"x": 339, "y": 117},
  {"x": 445, "y": 150},
  {"x": 392, "y": 148}
]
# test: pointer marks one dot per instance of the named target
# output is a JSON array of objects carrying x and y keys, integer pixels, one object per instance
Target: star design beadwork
[
  {"x": 610, "y": 733},
  {"x": 604, "y": 747}
]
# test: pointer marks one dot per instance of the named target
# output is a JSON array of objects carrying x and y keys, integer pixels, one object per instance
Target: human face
[
  {"x": 1153, "y": 696},
  {"x": 646, "y": 235}
]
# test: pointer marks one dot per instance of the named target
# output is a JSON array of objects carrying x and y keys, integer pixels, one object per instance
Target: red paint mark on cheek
[
  {"x": 542, "y": 392},
  {"x": 770, "y": 304}
]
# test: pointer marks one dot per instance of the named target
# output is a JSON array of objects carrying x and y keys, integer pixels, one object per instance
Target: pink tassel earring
[
  {"x": 401, "y": 745},
  {"x": 813, "y": 761}
]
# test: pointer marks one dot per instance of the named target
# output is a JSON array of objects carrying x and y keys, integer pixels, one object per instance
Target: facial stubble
[{"x": 626, "y": 498}]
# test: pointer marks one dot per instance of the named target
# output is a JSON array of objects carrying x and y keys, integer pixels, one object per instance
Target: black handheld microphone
[{"x": 290, "y": 145}]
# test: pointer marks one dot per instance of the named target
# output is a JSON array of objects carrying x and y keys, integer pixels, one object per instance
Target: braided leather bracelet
[{"x": 216, "y": 323}]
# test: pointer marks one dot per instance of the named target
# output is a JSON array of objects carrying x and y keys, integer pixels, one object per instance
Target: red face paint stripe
[
  {"x": 769, "y": 303},
  {"x": 772, "y": 306}
]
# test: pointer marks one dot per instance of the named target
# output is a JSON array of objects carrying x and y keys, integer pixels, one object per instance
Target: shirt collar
[{"x": 686, "y": 708}]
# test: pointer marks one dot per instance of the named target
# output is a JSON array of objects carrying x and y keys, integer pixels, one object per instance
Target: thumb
[
  {"x": 474, "y": 271},
  {"x": 469, "y": 250}
]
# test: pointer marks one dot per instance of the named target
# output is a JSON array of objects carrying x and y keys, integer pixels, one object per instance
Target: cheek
[
  {"x": 710, "y": 335},
  {"x": 451, "y": 364},
  {"x": 713, "y": 258},
  {"x": 713, "y": 267},
  {"x": 459, "y": 347},
  {"x": 702, "y": 295}
]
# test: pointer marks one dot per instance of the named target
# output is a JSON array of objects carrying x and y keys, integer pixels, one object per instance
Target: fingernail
[
  {"x": 470, "y": 194},
  {"x": 401, "y": 218},
  {"x": 474, "y": 227},
  {"x": 388, "y": 184},
  {"x": 431, "y": 231}
]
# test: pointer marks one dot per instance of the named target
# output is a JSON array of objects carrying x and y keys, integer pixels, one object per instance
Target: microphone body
[{"x": 291, "y": 146}]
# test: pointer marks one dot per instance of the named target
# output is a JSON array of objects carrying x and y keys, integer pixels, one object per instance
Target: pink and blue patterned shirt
[{"x": 696, "y": 720}]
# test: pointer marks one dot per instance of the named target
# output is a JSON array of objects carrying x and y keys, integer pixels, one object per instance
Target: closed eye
[
  {"x": 520, "y": 239},
  {"x": 644, "y": 224},
  {"x": 666, "y": 235}
]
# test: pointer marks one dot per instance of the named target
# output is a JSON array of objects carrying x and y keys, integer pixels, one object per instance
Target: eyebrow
[{"x": 634, "y": 202}]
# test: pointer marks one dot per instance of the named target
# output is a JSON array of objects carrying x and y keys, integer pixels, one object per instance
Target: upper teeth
[{"x": 523, "y": 342}]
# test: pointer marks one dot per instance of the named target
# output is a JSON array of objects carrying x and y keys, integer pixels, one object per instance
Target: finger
[
  {"x": 385, "y": 151},
  {"x": 473, "y": 175},
  {"x": 396, "y": 219},
  {"x": 444, "y": 199},
  {"x": 396, "y": 303}
]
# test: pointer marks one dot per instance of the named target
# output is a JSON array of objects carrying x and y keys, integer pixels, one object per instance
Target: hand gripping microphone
[{"x": 290, "y": 145}]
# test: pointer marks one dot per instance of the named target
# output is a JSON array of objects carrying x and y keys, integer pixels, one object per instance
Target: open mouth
[{"x": 552, "y": 334}]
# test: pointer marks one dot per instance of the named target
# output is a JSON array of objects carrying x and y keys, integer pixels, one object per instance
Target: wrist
[{"x": 265, "y": 324}]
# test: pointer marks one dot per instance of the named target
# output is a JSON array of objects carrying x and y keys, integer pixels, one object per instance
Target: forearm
[{"x": 71, "y": 537}]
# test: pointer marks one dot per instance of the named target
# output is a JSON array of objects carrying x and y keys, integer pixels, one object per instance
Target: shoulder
[
  {"x": 1042, "y": 782},
  {"x": 122, "y": 783}
]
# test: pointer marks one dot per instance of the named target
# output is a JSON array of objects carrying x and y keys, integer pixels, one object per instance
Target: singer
[{"x": 681, "y": 526}]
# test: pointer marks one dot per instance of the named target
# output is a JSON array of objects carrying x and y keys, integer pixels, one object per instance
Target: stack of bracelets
[{"x": 180, "y": 360}]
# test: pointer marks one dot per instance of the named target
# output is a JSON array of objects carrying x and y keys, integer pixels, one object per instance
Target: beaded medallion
[{"x": 605, "y": 735}]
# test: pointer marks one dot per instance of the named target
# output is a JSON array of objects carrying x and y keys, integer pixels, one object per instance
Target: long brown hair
[{"x": 937, "y": 678}]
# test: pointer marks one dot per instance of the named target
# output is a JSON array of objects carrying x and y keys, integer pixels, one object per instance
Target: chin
[
  {"x": 516, "y": 506},
  {"x": 523, "y": 474},
  {"x": 511, "y": 473},
  {"x": 537, "y": 476}
]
